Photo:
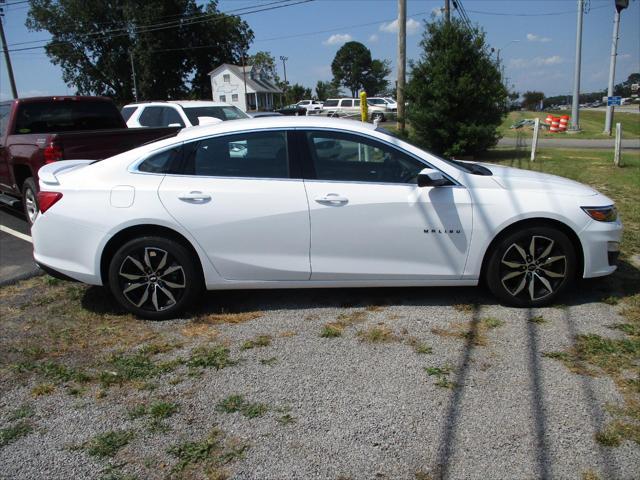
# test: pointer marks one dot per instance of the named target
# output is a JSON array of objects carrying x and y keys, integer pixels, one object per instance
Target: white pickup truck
[{"x": 310, "y": 105}]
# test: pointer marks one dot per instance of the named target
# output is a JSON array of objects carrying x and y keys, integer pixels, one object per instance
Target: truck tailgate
[{"x": 100, "y": 144}]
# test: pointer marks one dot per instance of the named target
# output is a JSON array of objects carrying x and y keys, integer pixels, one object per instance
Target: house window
[
  {"x": 226, "y": 78},
  {"x": 234, "y": 97},
  {"x": 223, "y": 98}
]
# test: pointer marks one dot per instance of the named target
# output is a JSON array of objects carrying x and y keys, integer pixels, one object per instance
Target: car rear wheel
[
  {"x": 154, "y": 277},
  {"x": 30, "y": 200},
  {"x": 531, "y": 267}
]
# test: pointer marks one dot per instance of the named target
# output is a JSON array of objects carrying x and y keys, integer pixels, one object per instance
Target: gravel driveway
[{"x": 314, "y": 384}]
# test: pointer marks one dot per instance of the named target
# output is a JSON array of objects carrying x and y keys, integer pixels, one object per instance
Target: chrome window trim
[{"x": 133, "y": 167}]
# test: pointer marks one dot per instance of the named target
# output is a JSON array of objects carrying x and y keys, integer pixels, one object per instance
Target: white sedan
[{"x": 288, "y": 202}]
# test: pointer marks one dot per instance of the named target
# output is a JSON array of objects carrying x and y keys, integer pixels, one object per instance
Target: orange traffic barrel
[
  {"x": 555, "y": 125},
  {"x": 549, "y": 119},
  {"x": 564, "y": 120}
]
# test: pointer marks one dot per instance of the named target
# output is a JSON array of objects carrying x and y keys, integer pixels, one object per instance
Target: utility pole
[
  {"x": 447, "y": 10},
  {"x": 244, "y": 78},
  {"x": 284, "y": 68},
  {"x": 402, "y": 62},
  {"x": 7, "y": 58},
  {"x": 575, "y": 107},
  {"x": 133, "y": 72},
  {"x": 620, "y": 5}
]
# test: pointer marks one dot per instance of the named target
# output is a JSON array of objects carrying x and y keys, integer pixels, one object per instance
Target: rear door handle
[
  {"x": 194, "y": 197},
  {"x": 332, "y": 199}
]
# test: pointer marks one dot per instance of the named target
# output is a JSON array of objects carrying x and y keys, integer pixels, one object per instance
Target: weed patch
[
  {"x": 107, "y": 444},
  {"x": 237, "y": 403},
  {"x": 377, "y": 334},
  {"x": 23, "y": 411},
  {"x": 210, "y": 453},
  {"x": 442, "y": 376},
  {"x": 11, "y": 434},
  {"x": 474, "y": 332},
  {"x": 43, "y": 389},
  {"x": 259, "y": 341},
  {"x": 210, "y": 357},
  {"x": 537, "y": 319},
  {"x": 332, "y": 330}
]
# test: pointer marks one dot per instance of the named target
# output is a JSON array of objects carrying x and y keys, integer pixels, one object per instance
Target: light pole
[
  {"x": 284, "y": 68},
  {"x": 575, "y": 107},
  {"x": 620, "y": 5}
]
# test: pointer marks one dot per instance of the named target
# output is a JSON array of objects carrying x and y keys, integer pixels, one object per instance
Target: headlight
[{"x": 602, "y": 214}]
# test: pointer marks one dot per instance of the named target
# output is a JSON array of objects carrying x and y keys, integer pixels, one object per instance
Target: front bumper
[{"x": 601, "y": 246}]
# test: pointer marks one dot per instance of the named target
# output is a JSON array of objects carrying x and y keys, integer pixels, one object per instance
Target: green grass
[
  {"x": 331, "y": 330},
  {"x": 237, "y": 403},
  {"x": 23, "y": 411},
  {"x": 212, "y": 452},
  {"x": 11, "y": 434},
  {"x": 591, "y": 124},
  {"x": 210, "y": 357},
  {"x": 107, "y": 444},
  {"x": 259, "y": 341},
  {"x": 594, "y": 168},
  {"x": 377, "y": 334}
]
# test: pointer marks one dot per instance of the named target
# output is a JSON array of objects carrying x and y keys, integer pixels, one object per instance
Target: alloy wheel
[
  {"x": 152, "y": 279},
  {"x": 533, "y": 268},
  {"x": 31, "y": 205}
]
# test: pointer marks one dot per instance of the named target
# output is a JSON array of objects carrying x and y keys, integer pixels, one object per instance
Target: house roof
[{"x": 253, "y": 84}]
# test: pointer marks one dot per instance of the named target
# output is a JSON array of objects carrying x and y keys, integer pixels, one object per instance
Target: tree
[
  {"x": 326, "y": 90},
  {"x": 375, "y": 83},
  {"x": 174, "y": 44},
  {"x": 455, "y": 91},
  {"x": 352, "y": 67},
  {"x": 531, "y": 99},
  {"x": 624, "y": 89},
  {"x": 266, "y": 63},
  {"x": 297, "y": 92}
]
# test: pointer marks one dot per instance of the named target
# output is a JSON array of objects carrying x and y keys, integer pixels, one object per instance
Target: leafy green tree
[
  {"x": 351, "y": 66},
  {"x": 376, "y": 82},
  {"x": 456, "y": 96},
  {"x": 174, "y": 44},
  {"x": 266, "y": 63},
  {"x": 624, "y": 89},
  {"x": 326, "y": 90},
  {"x": 531, "y": 99},
  {"x": 297, "y": 92}
]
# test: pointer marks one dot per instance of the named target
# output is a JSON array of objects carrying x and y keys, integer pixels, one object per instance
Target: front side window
[
  {"x": 254, "y": 155},
  {"x": 351, "y": 158},
  {"x": 346, "y": 103},
  {"x": 172, "y": 117}
]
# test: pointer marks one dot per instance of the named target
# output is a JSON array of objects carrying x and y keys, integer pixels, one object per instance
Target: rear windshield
[
  {"x": 66, "y": 116},
  {"x": 223, "y": 113},
  {"x": 127, "y": 112}
]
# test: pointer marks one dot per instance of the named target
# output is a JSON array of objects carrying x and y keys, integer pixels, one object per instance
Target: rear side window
[
  {"x": 255, "y": 155},
  {"x": 127, "y": 112},
  {"x": 151, "y": 117},
  {"x": 167, "y": 161},
  {"x": 331, "y": 103},
  {"x": 66, "y": 116},
  {"x": 346, "y": 103}
]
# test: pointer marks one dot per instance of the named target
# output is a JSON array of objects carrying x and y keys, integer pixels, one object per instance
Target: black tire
[
  {"x": 142, "y": 262},
  {"x": 521, "y": 279},
  {"x": 30, "y": 200}
]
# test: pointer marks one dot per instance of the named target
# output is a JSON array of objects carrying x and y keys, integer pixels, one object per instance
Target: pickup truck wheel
[
  {"x": 154, "y": 277},
  {"x": 30, "y": 200}
]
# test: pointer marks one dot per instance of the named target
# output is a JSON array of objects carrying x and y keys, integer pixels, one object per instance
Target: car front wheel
[
  {"x": 154, "y": 277},
  {"x": 531, "y": 267}
]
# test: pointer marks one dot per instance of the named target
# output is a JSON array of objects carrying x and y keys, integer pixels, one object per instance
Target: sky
[{"x": 536, "y": 39}]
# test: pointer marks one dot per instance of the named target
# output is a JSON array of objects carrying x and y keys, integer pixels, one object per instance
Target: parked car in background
[
  {"x": 314, "y": 202},
  {"x": 310, "y": 105},
  {"x": 179, "y": 113},
  {"x": 339, "y": 107},
  {"x": 40, "y": 130},
  {"x": 293, "y": 109},
  {"x": 388, "y": 103}
]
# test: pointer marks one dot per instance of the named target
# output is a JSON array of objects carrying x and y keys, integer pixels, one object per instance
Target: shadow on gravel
[{"x": 624, "y": 282}]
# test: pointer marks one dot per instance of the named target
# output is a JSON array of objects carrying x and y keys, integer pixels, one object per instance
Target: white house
[{"x": 229, "y": 84}]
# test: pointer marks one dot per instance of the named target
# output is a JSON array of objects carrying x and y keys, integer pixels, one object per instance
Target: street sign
[{"x": 614, "y": 101}]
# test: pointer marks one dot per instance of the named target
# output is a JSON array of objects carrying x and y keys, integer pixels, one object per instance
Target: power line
[
  {"x": 169, "y": 25},
  {"x": 502, "y": 14}
]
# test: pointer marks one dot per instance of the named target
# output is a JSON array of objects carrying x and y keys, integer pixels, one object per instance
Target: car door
[
  {"x": 241, "y": 198},
  {"x": 370, "y": 220}
]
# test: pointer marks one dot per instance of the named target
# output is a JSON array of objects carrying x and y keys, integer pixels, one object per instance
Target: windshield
[{"x": 223, "y": 113}]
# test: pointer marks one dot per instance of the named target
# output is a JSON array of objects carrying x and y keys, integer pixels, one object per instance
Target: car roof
[
  {"x": 182, "y": 103},
  {"x": 274, "y": 122}
]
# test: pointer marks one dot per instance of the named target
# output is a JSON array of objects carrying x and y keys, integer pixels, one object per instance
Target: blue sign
[{"x": 614, "y": 101}]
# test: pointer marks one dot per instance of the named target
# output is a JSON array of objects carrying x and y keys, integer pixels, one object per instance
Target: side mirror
[
  {"x": 429, "y": 177},
  {"x": 208, "y": 120}
]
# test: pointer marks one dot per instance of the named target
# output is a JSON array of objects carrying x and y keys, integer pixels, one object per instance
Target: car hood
[{"x": 517, "y": 179}]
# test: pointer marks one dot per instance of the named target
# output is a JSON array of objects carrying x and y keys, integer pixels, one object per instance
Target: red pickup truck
[{"x": 40, "y": 130}]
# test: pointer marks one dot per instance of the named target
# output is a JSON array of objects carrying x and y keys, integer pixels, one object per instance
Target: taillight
[
  {"x": 52, "y": 153},
  {"x": 47, "y": 199}
]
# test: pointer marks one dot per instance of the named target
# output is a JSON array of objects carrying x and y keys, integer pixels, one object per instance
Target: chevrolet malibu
[{"x": 313, "y": 202}]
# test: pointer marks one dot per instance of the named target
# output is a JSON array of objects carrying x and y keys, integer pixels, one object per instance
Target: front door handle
[
  {"x": 194, "y": 197},
  {"x": 333, "y": 199}
]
